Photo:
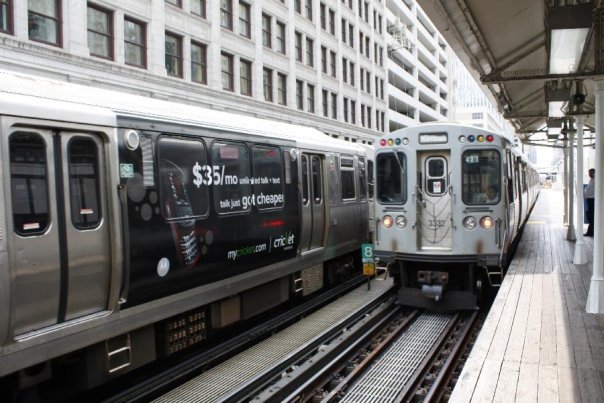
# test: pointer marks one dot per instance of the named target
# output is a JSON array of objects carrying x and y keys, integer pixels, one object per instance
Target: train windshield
[
  {"x": 391, "y": 178},
  {"x": 481, "y": 170}
]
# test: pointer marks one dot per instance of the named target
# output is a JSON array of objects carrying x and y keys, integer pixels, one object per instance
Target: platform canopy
[{"x": 538, "y": 58}]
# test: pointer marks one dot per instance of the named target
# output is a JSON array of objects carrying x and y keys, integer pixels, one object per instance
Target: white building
[
  {"x": 318, "y": 63},
  {"x": 418, "y": 63}
]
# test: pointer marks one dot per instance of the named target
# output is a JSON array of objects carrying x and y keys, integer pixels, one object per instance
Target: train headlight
[
  {"x": 487, "y": 222},
  {"x": 387, "y": 221},
  {"x": 401, "y": 221},
  {"x": 469, "y": 223}
]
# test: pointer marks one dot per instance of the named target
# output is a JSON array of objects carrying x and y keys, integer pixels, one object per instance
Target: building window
[
  {"x": 332, "y": 22},
  {"x": 325, "y": 101},
  {"x": 226, "y": 65},
  {"x": 324, "y": 59},
  {"x": 298, "y": 46},
  {"x": 344, "y": 70},
  {"x": 298, "y": 6},
  {"x": 268, "y": 84},
  {"x": 245, "y": 77},
  {"x": 244, "y": 20},
  {"x": 282, "y": 89},
  {"x": 173, "y": 55},
  {"x": 310, "y": 98},
  {"x": 323, "y": 17},
  {"x": 300, "y": 95},
  {"x": 199, "y": 63},
  {"x": 345, "y": 109},
  {"x": 44, "y": 21},
  {"x": 334, "y": 105},
  {"x": 477, "y": 115},
  {"x": 266, "y": 30},
  {"x": 176, "y": 3},
  {"x": 353, "y": 110},
  {"x": 226, "y": 14},
  {"x": 332, "y": 63},
  {"x": 344, "y": 25},
  {"x": 135, "y": 44},
  {"x": 6, "y": 16},
  {"x": 352, "y": 67},
  {"x": 310, "y": 54},
  {"x": 198, "y": 7},
  {"x": 100, "y": 32},
  {"x": 351, "y": 35},
  {"x": 308, "y": 8},
  {"x": 280, "y": 37}
]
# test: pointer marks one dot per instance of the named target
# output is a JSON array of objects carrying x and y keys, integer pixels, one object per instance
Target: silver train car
[
  {"x": 133, "y": 228},
  {"x": 450, "y": 206}
]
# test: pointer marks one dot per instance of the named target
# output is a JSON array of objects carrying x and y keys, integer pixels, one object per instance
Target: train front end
[{"x": 440, "y": 213}]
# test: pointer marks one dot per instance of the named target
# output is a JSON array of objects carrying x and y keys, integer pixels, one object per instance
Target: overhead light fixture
[
  {"x": 555, "y": 109},
  {"x": 569, "y": 26}
]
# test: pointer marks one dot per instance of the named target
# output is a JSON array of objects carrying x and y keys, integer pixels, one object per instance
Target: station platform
[{"x": 537, "y": 343}]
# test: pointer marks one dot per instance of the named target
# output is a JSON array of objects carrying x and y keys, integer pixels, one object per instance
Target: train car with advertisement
[
  {"x": 450, "y": 205},
  {"x": 133, "y": 228}
]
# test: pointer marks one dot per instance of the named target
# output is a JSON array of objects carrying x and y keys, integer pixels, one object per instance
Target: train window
[
  {"x": 317, "y": 184},
  {"x": 268, "y": 177},
  {"x": 232, "y": 185},
  {"x": 305, "y": 180},
  {"x": 436, "y": 176},
  {"x": 347, "y": 174},
  {"x": 362, "y": 179},
  {"x": 391, "y": 178},
  {"x": 84, "y": 183},
  {"x": 184, "y": 178},
  {"x": 481, "y": 173},
  {"x": 29, "y": 183}
]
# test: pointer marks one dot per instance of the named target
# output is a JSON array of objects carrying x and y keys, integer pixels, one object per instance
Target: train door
[
  {"x": 59, "y": 247},
  {"x": 434, "y": 201},
  {"x": 313, "y": 202}
]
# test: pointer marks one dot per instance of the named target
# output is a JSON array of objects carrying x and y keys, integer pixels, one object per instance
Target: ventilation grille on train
[{"x": 147, "y": 148}]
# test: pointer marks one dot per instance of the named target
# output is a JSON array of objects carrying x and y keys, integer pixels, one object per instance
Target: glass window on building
[
  {"x": 282, "y": 89},
  {"x": 298, "y": 46},
  {"x": 173, "y": 55},
  {"x": 332, "y": 63},
  {"x": 176, "y": 3},
  {"x": 245, "y": 77},
  {"x": 310, "y": 53},
  {"x": 198, "y": 7},
  {"x": 266, "y": 30},
  {"x": 325, "y": 99},
  {"x": 226, "y": 66},
  {"x": 334, "y": 106},
  {"x": 300, "y": 95},
  {"x": 134, "y": 43},
  {"x": 244, "y": 20},
  {"x": 44, "y": 21},
  {"x": 199, "y": 63},
  {"x": 477, "y": 115},
  {"x": 267, "y": 82},
  {"x": 310, "y": 98},
  {"x": 6, "y": 19},
  {"x": 281, "y": 37},
  {"x": 226, "y": 14},
  {"x": 100, "y": 32}
]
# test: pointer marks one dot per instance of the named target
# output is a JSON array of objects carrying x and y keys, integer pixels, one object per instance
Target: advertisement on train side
[{"x": 201, "y": 210}]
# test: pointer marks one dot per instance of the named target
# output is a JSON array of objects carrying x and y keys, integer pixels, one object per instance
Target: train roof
[{"x": 33, "y": 96}]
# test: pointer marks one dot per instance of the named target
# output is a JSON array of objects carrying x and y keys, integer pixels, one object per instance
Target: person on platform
[{"x": 590, "y": 200}]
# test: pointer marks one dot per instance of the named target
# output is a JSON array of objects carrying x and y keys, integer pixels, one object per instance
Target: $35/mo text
[{"x": 209, "y": 175}]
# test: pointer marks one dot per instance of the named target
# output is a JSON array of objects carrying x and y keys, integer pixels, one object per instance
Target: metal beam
[
  {"x": 522, "y": 115},
  {"x": 534, "y": 74}
]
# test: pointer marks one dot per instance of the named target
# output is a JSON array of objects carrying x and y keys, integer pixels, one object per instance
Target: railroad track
[{"x": 403, "y": 357}]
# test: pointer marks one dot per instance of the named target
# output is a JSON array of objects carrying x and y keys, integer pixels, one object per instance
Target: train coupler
[{"x": 433, "y": 283}]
